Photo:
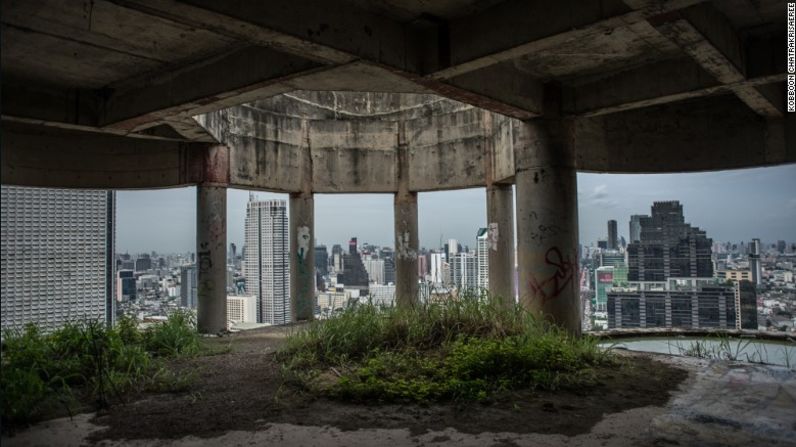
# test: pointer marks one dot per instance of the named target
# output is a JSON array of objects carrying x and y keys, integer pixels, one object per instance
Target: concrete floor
[{"x": 720, "y": 404}]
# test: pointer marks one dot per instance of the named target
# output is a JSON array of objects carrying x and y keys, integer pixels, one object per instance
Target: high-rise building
[
  {"x": 233, "y": 253},
  {"x": 57, "y": 256},
  {"x": 267, "y": 259},
  {"x": 388, "y": 255},
  {"x": 603, "y": 281},
  {"x": 422, "y": 266},
  {"x": 321, "y": 260},
  {"x": 375, "y": 269},
  {"x": 464, "y": 271},
  {"x": 482, "y": 257},
  {"x": 125, "y": 286},
  {"x": 611, "y": 258},
  {"x": 354, "y": 275},
  {"x": 188, "y": 290},
  {"x": 754, "y": 262},
  {"x": 669, "y": 247},
  {"x": 781, "y": 245},
  {"x": 437, "y": 260},
  {"x": 613, "y": 237},
  {"x": 635, "y": 227},
  {"x": 452, "y": 247},
  {"x": 143, "y": 263}
]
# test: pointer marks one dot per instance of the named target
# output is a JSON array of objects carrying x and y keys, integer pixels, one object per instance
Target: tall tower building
[
  {"x": 754, "y": 262},
  {"x": 669, "y": 247},
  {"x": 613, "y": 238},
  {"x": 267, "y": 259},
  {"x": 188, "y": 290},
  {"x": 482, "y": 256},
  {"x": 57, "y": 251}
]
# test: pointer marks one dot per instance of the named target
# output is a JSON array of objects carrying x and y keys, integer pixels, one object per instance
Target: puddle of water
[{"x": 744, "y": 350}]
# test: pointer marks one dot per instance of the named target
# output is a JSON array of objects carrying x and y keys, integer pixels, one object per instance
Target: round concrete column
[
  {"x": 302, "y": 262},
  {"x": 211, "y": 258},
  {"x": 547, "y": 222},
  {"x": 500, "y": 233},
  {"x": 406, "y": 248}
]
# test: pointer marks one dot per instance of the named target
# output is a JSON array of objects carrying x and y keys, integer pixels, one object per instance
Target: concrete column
[
  {"x": 211, "y": 258},
  {"x": 547, "y": 222},
  {"x": 302, "y": 249},
  {"x": 406, "y": 248},
  {"x": 407, "y": 243},
  {"x": 500, "y": 227}
]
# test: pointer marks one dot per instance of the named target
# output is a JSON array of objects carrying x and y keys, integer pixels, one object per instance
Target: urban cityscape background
[{"x": 707, "y": 250}]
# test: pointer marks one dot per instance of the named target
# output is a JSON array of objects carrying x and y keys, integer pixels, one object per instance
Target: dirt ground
[{"x": 242, "y": 389}]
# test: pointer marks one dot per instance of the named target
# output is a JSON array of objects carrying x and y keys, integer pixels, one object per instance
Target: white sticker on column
[
  {"x": 303, "y": 239},
  {"x": 493, "y": 234}
]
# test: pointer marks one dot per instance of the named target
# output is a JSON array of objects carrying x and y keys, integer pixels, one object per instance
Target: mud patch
[{"x": 243, "y": 390}]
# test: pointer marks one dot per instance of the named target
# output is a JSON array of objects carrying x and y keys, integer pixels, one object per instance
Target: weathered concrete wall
[
  {"x": 353, "y": 139},
  {"x": 353, "y": 156},
  {"x": 446, "y": 151}
]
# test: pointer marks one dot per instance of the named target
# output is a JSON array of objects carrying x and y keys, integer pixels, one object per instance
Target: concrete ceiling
[{"x": 145, "y": 67}]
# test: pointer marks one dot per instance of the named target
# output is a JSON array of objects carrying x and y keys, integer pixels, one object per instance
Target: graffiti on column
[
  {"x": 553, "y": 286},
  {"x": 204, "y": 263},
  {"x": 303, "y": 238},
  {"x": 493, "y": 235},
  {"x": 404, "y": 248}
]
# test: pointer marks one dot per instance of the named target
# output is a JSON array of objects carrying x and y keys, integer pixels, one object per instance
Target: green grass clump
[
  {"x": 465, "y": 349},
  {"x": 86, "y": 361}
]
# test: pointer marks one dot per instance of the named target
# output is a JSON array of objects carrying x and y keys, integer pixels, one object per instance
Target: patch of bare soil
[{"x": 243, "y": 389}]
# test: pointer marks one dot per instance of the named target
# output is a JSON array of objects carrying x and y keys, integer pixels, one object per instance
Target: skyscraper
[
  {"x": 635, "y": 227},
  {"x": 754, "y": 262},
  {"x": 267, "y": 259},
  {"x": 57, "y": 255},
  {"x": 482, "y": 256},
  {"x": 321, "y": 260},
  {"x": 613, "y": 238},
  {"x": 188, "y": 290},
  {"x": 354, "y": 274},
  {"x": 669, "y": 247}
]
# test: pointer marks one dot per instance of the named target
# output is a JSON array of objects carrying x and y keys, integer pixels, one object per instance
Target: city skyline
[{"x": 735, "y": 205}]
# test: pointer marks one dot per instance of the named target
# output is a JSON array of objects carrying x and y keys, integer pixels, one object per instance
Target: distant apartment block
[
  {"x": 241, "y": 309},
  {"x": 718, "y": 307},
  {"x": 57, "y": 255}
]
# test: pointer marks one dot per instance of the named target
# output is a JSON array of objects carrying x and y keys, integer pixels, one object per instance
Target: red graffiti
[{"x": 552, "y": 287}]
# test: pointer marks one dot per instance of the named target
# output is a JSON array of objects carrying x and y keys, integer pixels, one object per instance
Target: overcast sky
[{"x": 730, "y": 205}]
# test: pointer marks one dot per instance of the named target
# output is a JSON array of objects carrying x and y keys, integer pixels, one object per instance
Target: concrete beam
[
  {"x": 707, "y": 36},
  {"x": 50, "y": 157},
  {"x": 651, "y": 85},
  {"x": 212, "y": 84},
  {"x": 683, "y": 137},
  {"x": 481, "y": 40},
  {"x": 305, "y": 28}
]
